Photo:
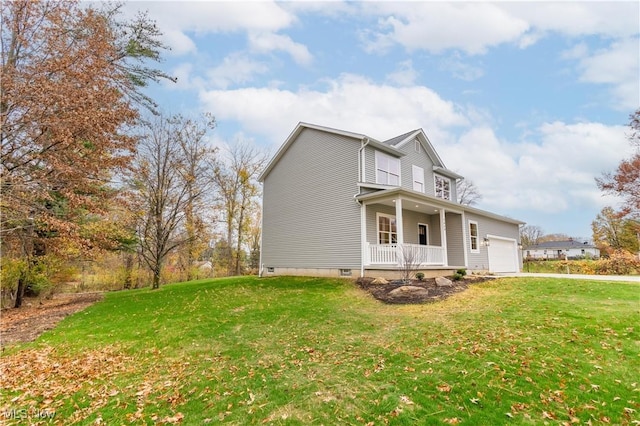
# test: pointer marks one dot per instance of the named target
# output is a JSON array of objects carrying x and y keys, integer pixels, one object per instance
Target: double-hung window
[
  {"x": 473, "y": 237},
  {"x": 418, "y": 178},
  {"x": 443, "y": 187},
  {"x": 387, "y": 169},
  {"x": 387, "y": 229}
]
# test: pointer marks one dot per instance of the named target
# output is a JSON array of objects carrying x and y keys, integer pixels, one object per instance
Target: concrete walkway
[{"x": 628, "y": 278}]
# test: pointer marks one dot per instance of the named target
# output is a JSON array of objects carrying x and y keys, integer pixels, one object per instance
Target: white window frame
[
  {"x": 443, "y": 193},
  {"x": 475, "y": 237},
  {"x": 417, "y": 146},
  {"x": 426, "y": 225},
  {"x": 390, "y": 232},
  {"x": 384, "y": 164},
  {"x": 418, "y": 178}
]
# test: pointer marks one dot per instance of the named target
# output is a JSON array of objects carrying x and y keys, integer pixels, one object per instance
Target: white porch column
[
  {"x": 399, "y": 227},
  {"x": 443, "y": 237},
  {"x": 364, "y": 258}
]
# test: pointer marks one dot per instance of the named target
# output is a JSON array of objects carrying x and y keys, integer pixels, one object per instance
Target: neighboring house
[
  {"x": 562, "y": 250},
  {"x": 337, "y": 203}
]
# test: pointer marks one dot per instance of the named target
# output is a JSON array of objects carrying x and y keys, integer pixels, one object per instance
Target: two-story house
[{"x": 337, "y": 203}]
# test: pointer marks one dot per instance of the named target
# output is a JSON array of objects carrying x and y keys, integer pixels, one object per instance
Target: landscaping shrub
[
  {"x": 419, "y": 276},
  {"x": 461, "y": 272},
  {"x": 457, "y": 276},
  {"x": 620, "y": 262}
]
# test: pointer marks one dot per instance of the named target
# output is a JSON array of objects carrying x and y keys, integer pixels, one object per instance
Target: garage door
[{"x": 503, "y": 255}]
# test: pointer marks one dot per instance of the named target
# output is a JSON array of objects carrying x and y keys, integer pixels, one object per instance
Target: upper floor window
[
  {"x": 443, "y": 187},
  {"x": 387, "y": 169},
  {"x": 418, "y": 178},
  {"x": 417, "y": 146}
]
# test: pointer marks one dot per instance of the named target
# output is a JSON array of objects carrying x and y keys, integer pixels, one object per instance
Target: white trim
[
  {"x": 471, "y": 249},
  {"x": 363, "y": 238},
  {"x": 443, "y": 236},
  {"x": 390, "y": 217},
  {"x": 417, "y": 171},
  {"x": 515, "y": 250},
  {"x": 426, "y": 225},
  {"x": 435, "y": 187},
  {"x": 466, "y": 243},
  {"x": 399, "y": 222},
  {"x": 381, "y": 155}
]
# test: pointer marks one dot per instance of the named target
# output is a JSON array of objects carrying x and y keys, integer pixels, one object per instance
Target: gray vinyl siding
[
  {"x": 486, "y": 226},
  {"x": 370, "y": 164},
  {"x": 420, "y": 159},
  {"x": 411, "y": 158},
  {"x": 455, "y": 239},
  {"x": 410, "y": 220},
  {"x": 310, "y": 218}
]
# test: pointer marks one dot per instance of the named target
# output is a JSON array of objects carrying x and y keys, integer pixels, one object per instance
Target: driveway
[{"x": 628, "y": 278}]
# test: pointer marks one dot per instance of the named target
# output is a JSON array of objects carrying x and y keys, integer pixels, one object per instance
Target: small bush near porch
[{"x": 321, "y": 351}]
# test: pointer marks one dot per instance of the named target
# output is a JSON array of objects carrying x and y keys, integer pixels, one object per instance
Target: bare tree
[
  {"x": 236, "y": 183},
  {"x": 468, "y": 193},
  {"x": 169, "y": 181},
  {"x": 410, "y": 261},
  {"x": 530, "y": 235}
]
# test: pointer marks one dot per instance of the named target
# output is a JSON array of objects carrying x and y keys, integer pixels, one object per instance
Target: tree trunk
[
  {"x": 156, "y": 276},
  {"x": 20, "y": 292}
]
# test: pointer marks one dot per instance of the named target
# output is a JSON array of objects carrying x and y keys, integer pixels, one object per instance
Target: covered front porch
[{"x": 401, "y": 227}]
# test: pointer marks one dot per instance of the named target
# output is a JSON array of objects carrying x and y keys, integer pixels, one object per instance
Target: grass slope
[{"x": 319, "y": 351}]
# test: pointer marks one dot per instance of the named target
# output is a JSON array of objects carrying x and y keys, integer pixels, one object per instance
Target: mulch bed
[
  {"x": 36, "y": 316},
  {"x": 433, "y": 293}
]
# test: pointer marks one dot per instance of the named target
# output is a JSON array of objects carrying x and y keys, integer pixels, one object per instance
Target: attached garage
[{"x": 503, "y": 254}]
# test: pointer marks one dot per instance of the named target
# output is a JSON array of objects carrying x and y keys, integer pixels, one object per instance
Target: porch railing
[{"x": 397, "y": 254}]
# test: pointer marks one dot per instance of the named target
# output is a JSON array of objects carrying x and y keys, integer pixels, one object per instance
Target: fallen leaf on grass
[
  {"x": 176, "y": 418},
  {"x": 444, "y": 387}
]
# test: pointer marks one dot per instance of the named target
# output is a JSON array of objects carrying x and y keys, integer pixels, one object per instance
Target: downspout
[
  {"x": 362, "y": 178},
  {"x": 261, "y": 265}
]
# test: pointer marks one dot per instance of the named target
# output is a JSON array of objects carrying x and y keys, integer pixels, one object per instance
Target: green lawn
[{"x": 319, "y": 351}]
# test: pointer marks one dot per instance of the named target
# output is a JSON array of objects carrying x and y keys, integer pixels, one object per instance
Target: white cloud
[
  {"x": 474, "y": 27},
  {"x": 179, "y": 43},
  {"x": 235, "y": 68},
  {"x": 619, "y": 66},
  {"x": 268, "y": 42},
  {"x": 350, "y": 102},
  {"x": 460, "y": 69},
  {"x": 405, "y": 74},
  {"x": 573, "y": 18},
  {"x": 552, "y": 173},
  {"x": 438, "y": 26},
  {"x": 177, "y": 19}
]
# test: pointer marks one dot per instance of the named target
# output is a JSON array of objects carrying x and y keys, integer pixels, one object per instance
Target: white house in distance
[
  {"x": 562, "y": 250},
  {"x": 338, "y": 203}
]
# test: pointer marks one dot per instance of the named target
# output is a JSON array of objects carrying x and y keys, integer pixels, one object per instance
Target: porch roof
[{"x": 439, "y": 202}]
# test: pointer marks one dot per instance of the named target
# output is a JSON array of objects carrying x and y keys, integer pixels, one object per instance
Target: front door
[{"x": 422, "y": 234}]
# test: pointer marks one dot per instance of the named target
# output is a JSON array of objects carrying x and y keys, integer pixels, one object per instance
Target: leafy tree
[
  {"x": 612, "y": 231},
  {"x": 625, "y": 181},
  {"x": 468, "y": 193},
  {"x": 67, "y": 88}
]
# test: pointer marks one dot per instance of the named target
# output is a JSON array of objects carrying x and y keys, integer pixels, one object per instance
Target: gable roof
[
  {"x": 390, "y": 146},
  {"x": 560, "y": 245},
  {"x": 302, "y": 126}
]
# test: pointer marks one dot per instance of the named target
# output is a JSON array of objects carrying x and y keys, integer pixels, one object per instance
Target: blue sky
[{"x": 529, "y": 100}]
